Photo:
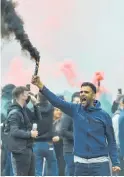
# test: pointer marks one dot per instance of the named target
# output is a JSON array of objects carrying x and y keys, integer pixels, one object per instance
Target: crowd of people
[{"x": 44, "y": 135}]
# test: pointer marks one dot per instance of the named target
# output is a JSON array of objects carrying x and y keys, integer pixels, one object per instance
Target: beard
[{"x": 86, "y": 102}]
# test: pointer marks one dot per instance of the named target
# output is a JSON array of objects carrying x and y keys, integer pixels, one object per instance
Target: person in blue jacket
[{"x": 94, "y": 139}]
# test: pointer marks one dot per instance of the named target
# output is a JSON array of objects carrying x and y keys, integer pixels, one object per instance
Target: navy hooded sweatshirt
[{"x": 93, "y": 130}]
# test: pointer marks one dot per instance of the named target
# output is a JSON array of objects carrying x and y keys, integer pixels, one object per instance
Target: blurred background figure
[
  {"x": 6, "y": 102},
  {"x": 106, "y": 102},
  {"x": 116, "y": 101},
  {"x": 43, "y": 145},
  {"x": 118, "y": 124},
  {"x": 68, "y": 141},
  {"x": 57, "y": 139}
]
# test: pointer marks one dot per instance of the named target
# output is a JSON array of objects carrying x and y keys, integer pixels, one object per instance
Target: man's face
[
  {"x": 76, "y": 100},
  {"x": 24, "y": 96},
  {"x": 57, "y": 113},
  {"x": 87, "y": 96}
]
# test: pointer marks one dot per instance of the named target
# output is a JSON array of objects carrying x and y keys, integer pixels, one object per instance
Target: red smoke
[
  {"x": 68, "y": 68},
  {"x": 98, "y": 76},
  {"x": 17, "y": 74}
]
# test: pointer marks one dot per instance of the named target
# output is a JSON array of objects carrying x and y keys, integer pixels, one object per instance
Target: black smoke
[{"x": 12, "y": 23}]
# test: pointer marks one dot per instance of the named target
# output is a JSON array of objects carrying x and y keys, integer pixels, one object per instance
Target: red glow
[{"x": 70, "y": 71}]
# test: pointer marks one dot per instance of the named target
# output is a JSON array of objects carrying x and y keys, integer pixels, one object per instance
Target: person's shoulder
[
  {"x": 14, "y": 114},
  {"x": 105, "y": 114}
]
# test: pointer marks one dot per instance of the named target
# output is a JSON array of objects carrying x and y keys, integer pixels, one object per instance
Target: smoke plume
[
  {"x": 12, "y": 23},
  {"x": 68, "y": 68}
]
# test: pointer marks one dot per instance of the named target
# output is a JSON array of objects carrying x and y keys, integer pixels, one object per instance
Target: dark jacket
[
  {"x": 44, "y": 114},
  {"x": 58, "y": 146},
  {"x": 19, "y": 137},
  {"x": 93, "y": 130},
  {"x": 56, "y": 131},
  {"x": 67, "y": 133}
]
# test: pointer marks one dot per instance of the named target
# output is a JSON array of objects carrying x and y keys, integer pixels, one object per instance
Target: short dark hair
[
  {"x": 92, "y": 86},
  {"x": 75, "y": 94},
  {"x": 18, "y": 90}
]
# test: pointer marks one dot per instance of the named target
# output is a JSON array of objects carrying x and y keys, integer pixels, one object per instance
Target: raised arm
[{"x": 66, "y": 107}]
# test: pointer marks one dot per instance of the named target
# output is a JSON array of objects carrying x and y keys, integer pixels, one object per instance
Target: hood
[
  {"x": 14, "y": 106},
  {"x": 97, "y": 106}
]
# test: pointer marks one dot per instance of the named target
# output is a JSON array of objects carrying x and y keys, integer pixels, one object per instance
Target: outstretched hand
[{"x": 36, "y": 81}]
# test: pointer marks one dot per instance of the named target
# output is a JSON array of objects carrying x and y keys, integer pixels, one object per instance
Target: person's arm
[
  {"x": 121, "y": 135},
  {"x": 111, "y": 142},
  {"x": 36, "y": 109},
  {"x": 14, "y": 122},
  {"x": 45, "y": 136},
  {"x": 114, "y": 107},
  {"x": 66, "y": 107},
  {"x": 66, "y": 122}
]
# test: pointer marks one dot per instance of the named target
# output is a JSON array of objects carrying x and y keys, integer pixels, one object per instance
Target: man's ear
[{"x": 94, "y": 96}]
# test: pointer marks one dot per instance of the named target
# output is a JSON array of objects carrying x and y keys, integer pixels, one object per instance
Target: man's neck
[
  {"x": 21, "y": 103},
  {"x": 91, "y": 104}
]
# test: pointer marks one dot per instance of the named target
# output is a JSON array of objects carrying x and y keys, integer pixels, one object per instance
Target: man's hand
[
  {"x": 56, "y": 139},
  {"x": 34, "y": 133},
  {"x": 116, "y": 169},
  {"x": 33, "y": 99},
  {"x": 36, "y": 81}
]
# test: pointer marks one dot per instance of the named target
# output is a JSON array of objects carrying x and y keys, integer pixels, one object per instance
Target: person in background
[
  {"x": 6, "y": 102},
  {"x": 68, "y": 140},
  {"x": 58, "y": 141},
  {"x": 118, "y": 124},
  {"x": 116, "y": 101},
  {"x": 43, "y": 146},
  {"x": 20, "y": 134}
]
